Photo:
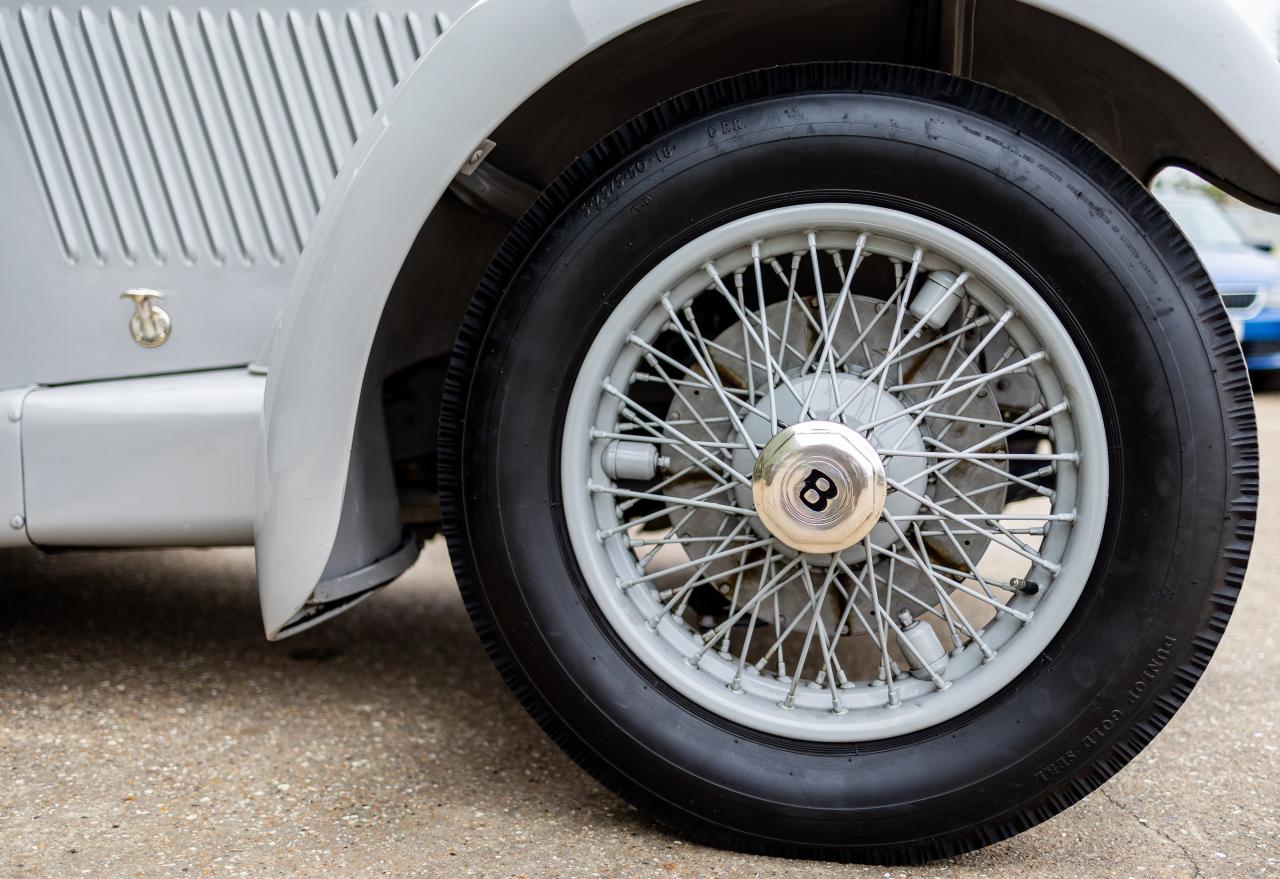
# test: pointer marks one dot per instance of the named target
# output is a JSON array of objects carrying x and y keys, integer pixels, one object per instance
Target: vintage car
[{"x": 840, "y": 451}]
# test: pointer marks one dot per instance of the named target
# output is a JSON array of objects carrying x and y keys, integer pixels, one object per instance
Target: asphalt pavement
[{"x": 148, "y": 729}]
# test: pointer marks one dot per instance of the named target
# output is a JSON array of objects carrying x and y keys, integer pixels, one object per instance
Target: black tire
[{"x": 1176, "y": 404}]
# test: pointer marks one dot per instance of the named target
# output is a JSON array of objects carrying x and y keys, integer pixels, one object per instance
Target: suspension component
[
  {"x": 920, "y": 646},
  {"x": 623, "y": 459},
  {"x": 940, "y": 287}
]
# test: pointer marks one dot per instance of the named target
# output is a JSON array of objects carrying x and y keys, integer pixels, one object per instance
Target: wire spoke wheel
[
  {"x": 830, "y": 460},
  {"x": 844, "y": 461}
]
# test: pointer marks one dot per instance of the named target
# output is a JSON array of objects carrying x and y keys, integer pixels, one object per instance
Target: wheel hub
[
  {"x": 864, "y": 403},
  {"x": 818, "y": 486}
]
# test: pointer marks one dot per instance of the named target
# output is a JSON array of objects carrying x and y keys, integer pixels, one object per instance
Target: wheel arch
[{"x": 352, "y": 379}]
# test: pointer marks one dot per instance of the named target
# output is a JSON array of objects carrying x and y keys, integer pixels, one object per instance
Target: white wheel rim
[{"x": 811, "y": 703}]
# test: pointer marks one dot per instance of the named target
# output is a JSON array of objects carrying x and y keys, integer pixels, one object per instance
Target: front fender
[
  {"x": 490, "y": 61},
  {"x": 485, "y": 65}
]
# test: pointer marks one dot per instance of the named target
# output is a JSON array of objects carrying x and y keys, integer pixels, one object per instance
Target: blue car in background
[{"x": 1246, "y": 274}]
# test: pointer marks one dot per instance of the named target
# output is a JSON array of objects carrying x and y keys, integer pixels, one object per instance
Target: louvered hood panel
[{"x": 186, "y": 149}]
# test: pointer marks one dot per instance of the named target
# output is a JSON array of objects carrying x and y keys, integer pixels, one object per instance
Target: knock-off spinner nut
[{"x": 819, "y": 486}]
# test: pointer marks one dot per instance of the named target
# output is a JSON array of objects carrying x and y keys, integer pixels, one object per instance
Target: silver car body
[{"x": 269, "y": 170}]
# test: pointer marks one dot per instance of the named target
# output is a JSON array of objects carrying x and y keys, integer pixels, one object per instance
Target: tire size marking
[
  {"x": 1111, "y": 722},
  {"x": 615, "y": 184}
]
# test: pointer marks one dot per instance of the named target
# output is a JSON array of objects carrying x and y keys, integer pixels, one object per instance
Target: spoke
[
  {"x": 676, "y": 422},
  {"x": 931, "y": 571},
  {"x": 777, "y": 626},
  {"x": 1046, "y": 470},
  {"x": 973, "y": 569},
  {"x": 784, "y": 633},
  {"x": 645, "y": 560},
  {"x": 736, "y": 685},
  {"x": 824, "y": 350},
  {"x": 670, "y": 480},
  {"x": 949, "y": 574},
  {"x": 921, "y": 607},
  {"x": 650, "y": 496},
  {"x": 992, "y": 536},
  {"x": 703, "y": 357},
  {"x": 677, "y": 447},
  {"x": 973, "y": 395},
  {"x": 685, "y": 383},
  {"x": 815, "y": 614},
  {"x": 981, "y": 456},
  {"x": 677, "y": 599},
  {"x": 982, "y": 489},
  {"x": 766, "y": 591},
  {"x": 882, "y": 635},
  {"x": 838, "y": 260},
  {"x": 764, "y": 325},
  {"x": 664, "y": 440},
  {"x": 1038, "y": 530},
  {"x": 897, "y": 344},
  {"x": 972, "y": 454},
  {"x": 894, "y": 301},
  {"x": 726, "y": 645},
  {"x": 792, "y": 299},
  {"x": 700, "y": 565},
  {"x": 971, "y": 384},
  {"x": 679, "y": 541},
  {"x": 700, "y": 578},
  {"x": 886, "y": 625},
  {"x": 719, "y": 553},
  {"x": 955, "y": 374},
  {"x": 640, "y": 410},
  {"x": 943, "y": 595},
  {"x": 1039, "y": 429},
  {"x": 999, "y": 523},
  {"x": 889, "y": 358},
  {"x": 696, "y": 380},
  {"x": 684, "y": 401},
  {"x": 950, "y": 612},
  {"x": 718, "y": 284},
  {"x": 665, "y": 511},
  {"x": 746, "y": 342},
  {"x": 830, "y": 666}
]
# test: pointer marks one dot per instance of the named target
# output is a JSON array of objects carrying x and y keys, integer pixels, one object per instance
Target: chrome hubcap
[{"x": 819, "y": 487}]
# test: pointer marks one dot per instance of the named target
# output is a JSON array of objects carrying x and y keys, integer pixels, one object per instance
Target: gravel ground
[{"x": 148, "y": 729}]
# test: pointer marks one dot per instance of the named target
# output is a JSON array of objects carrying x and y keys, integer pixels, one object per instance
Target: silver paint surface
[
  {"x": 162, "y": 461},
  {"x": 186, "y": 148}
]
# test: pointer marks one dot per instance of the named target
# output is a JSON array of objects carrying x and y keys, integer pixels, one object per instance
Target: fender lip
[
  {"x": 425, "y": 132},
  {"x": 337, "y": 594}
]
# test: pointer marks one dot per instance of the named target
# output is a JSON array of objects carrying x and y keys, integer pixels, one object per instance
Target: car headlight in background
[{"x": 1271, "y": 296}]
